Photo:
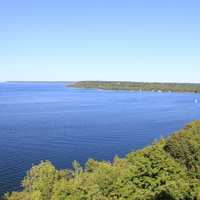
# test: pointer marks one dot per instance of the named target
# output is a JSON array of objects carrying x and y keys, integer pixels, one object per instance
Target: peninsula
[{"x": 138, "y": 86}]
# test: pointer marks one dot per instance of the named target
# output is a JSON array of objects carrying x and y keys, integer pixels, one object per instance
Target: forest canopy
[{"x": 166, "y": 170}]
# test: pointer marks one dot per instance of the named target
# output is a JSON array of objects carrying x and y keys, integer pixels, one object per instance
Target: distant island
[
  {"x": 138, "y": 86},
  {"x": 166, "y": 170}
]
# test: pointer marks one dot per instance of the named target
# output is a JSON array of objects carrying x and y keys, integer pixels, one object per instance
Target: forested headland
[
  {"x": 138, "y": 86},
  {"x": 166, "y": 170}
]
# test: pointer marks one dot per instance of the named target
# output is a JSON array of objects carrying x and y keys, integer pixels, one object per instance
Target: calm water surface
[{"x": 52, "y": 122}]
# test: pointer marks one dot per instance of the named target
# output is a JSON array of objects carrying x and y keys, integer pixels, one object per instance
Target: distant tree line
[{"x": 138, "y": 86}]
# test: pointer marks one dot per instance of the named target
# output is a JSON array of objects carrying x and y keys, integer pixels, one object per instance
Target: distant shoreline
[
  {"x": 138, "y": 86},
  {"x": 122, "y": 85}
]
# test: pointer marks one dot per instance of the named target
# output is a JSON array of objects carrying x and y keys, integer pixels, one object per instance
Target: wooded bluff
[{"x": 166, "y": 170}]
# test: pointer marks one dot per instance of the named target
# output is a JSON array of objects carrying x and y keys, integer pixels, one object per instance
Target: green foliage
[
  {"x": 166, "y": 170},
  {"x": 138, "y": 86},
  {"x": 77, "y": 169},
  {"x": 185, "y": 147},
  {"x": 40, "y": 179}
]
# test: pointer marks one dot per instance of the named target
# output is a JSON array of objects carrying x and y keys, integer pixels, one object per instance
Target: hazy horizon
[{"x": 68, "y": 81}]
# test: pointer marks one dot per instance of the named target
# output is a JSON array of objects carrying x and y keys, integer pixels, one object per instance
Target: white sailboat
[{"x": 196, "y": 101}]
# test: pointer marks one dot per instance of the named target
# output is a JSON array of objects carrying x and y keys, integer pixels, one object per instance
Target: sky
[{"x": 127, "y": 40}]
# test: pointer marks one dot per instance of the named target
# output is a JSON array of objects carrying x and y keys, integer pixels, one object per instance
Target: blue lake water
[{"x": 52, "y": 122}]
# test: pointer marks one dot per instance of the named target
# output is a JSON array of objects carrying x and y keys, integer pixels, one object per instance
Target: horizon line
[{"x": 54, "y": 81}]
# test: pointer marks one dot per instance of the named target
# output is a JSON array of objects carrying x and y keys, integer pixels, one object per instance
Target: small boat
[{"x": 196, "y": 101}]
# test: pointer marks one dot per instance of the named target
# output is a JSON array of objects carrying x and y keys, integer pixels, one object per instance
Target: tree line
[{"x": 138, "y": 86}]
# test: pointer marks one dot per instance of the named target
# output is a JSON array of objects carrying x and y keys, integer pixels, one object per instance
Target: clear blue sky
[{"x": 136, "y": 40}]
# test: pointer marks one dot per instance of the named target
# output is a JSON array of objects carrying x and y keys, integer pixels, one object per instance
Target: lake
[{"x": 60, "y": 124}]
